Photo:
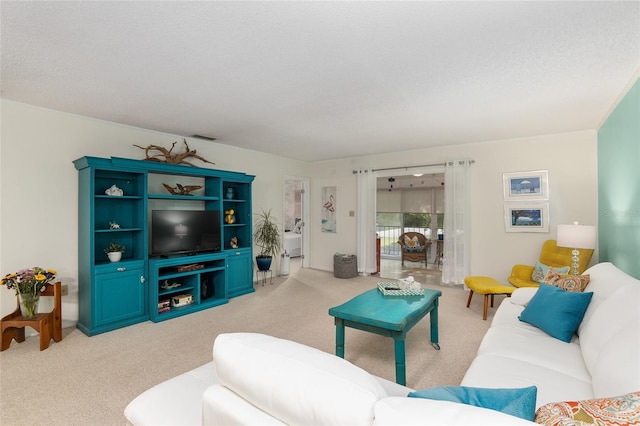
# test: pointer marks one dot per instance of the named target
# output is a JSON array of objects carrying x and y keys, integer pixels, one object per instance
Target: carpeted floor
[{"x": 89, "y": 380}]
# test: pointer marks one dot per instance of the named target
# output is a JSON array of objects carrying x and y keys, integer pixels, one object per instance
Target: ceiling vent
[{"x": 206, "y": 138}]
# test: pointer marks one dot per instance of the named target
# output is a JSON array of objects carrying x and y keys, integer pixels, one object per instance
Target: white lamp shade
[{"x": 577, "y": 236}]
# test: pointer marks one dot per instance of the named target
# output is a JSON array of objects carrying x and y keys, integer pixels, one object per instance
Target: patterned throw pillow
[
  {"x": 540, "y": 270},
  {"x": 566, "y": 282},
  {"x": 408, "y": 242},
  {"x": 412, "y": 244},
  {"x": 619, "y": 410}
]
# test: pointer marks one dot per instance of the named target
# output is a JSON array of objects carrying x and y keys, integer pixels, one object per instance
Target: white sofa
[
  {"x": 263, "y": 380},
  {"x": 258, "y": 379},
  {"x": 602, "y": 360}
]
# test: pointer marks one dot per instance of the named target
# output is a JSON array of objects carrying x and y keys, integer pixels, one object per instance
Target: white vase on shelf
[{"x": 115, "y": 256}]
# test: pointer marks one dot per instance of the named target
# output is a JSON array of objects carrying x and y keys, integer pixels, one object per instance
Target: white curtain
[
  {"x": 455, "y": 263},
  {"x": 366, "y": 222}
]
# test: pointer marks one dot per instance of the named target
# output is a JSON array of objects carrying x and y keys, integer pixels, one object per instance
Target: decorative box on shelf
[
  {"x": 192, "y": 267},
  {"x": 394, "y": 289},
  {"x": 164, "y": 305},
  {"x": 181, "y": 300}
]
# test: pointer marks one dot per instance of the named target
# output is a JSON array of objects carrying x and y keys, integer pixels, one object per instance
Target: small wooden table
[
  {"x": 439, "y": 253},
  {"x": 391, "y": 316}
]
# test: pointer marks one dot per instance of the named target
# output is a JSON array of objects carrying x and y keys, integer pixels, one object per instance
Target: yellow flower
[
  {"x": 7, "y": 278},
  {"x": 28, "y": 281}
]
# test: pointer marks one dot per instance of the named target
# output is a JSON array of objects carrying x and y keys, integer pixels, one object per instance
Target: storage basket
[{"x": 345, "y": 265}]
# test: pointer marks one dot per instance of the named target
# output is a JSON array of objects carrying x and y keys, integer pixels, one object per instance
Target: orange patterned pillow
[
  {"x": 619, "y": 410},
  {"x": 566, "y": 282}
]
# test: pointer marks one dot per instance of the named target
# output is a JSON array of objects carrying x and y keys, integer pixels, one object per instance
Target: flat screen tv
[{"x": 184, "y": 232}]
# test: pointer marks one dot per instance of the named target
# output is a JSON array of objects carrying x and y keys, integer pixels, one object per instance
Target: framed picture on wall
[
  {"x": 526, "y": 217},
  {"x": 329, "y": 209},
  {"x": 526, "y": 186}
]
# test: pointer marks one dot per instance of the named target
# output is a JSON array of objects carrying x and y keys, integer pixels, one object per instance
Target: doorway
[
  {"x": 296, "y": 216},
  {"x": 410, "y": 202}
]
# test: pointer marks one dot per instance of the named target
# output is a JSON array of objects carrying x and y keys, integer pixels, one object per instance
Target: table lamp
[{"x": 577, "y": 237}]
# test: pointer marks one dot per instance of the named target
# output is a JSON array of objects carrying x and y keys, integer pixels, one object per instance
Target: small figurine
[
  {"x": 234, "y": 242},
  {"x": 182, "y": 189},
  {"x": 229, "y": 217},
  {"x": 114, "y": 225},
  {"x": 114, "y": 191},
  {"x": 169, "y": 286}
]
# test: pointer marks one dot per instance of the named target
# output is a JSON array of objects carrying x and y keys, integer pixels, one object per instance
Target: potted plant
[
  {"x": 114, "y": 251},
  {"x": 267, "y": 237}
]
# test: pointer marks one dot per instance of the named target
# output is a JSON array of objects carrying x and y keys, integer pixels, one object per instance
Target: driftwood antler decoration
[{"x": 165, "y": 155}]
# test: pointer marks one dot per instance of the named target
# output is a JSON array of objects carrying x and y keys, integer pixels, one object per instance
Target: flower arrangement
[{"x": 29, "y": 281}]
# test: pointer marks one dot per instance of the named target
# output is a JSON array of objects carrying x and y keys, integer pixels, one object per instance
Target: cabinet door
[
  {"x": 240, "y": 273},
  {"x": 120, "y": 296}
]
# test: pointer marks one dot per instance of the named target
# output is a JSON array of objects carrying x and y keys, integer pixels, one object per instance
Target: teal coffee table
[{"x": 391, "y": 316}]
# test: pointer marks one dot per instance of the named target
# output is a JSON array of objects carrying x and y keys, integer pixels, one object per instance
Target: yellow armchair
[{"x": 551, "y": 255}]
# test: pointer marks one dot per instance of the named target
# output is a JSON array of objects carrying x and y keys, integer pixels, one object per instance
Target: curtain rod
[
  {"x": 407, "y": 167},
  {"x": 403, "y": 167},
  {"x": 413, "y": 167}
]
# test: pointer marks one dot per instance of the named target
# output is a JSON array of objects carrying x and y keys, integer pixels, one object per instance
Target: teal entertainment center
[{"x": 159, "y": 280}]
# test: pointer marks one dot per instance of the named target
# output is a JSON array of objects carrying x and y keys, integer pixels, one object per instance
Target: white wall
[
  {"x": 570, "y": 159},
  {"x": 38, "y": 210},
  {"x": 38, "y": 207}
]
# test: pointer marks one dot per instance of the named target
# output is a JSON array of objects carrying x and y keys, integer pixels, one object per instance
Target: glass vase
[{"x": 29, "y": 305}]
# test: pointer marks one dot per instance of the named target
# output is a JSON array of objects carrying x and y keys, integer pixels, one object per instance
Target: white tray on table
[{"x": 393, "y": 289}]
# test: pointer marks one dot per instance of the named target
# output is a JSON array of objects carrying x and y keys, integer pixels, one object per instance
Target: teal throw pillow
[
  {"x": 555, "y": 311},
  {"x": 540, "y": 270},
  {"x": 519, "y": 402}
]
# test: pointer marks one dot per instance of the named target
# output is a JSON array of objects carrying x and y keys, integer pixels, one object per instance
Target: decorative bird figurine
[{"x": 182, "y": 189}]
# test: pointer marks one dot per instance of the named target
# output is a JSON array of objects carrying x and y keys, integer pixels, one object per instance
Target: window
[{"x": 389, "y": 227}]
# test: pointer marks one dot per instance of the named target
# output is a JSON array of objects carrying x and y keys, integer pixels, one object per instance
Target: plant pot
[
  {"x": 263, "y": 262},
  {"x": 115, "y": 256}
]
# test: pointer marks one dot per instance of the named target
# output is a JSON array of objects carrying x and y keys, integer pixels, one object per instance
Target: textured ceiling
[{"x": 324, "y": 80}]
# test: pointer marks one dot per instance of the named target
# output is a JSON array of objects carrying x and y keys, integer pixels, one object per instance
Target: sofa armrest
[
  {"x": 177, "y": 401},
  {"x": 521, "y": 276},
  {"x": 418, "y": 411},
  {"x": 522, "y": 296},
  {"x": 221, "y": 406}
]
